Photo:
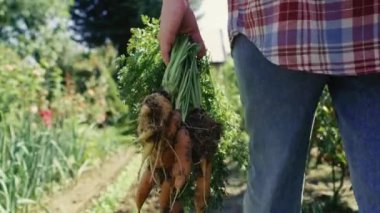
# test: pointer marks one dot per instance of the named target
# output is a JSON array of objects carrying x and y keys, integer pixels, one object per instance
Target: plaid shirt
[{"x": 335, "y": 37}]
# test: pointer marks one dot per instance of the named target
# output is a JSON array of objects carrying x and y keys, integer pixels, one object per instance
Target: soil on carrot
[
  {"x": 205, "y": 134},
  {"x": 154, "y": 112}
]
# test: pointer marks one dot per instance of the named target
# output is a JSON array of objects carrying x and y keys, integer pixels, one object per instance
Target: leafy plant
[
  {"x": 141, "y": 72},
  {"x": 327, "y": 140},
  {"x": 32, "y": 157},
  {"x": 22, "y": 18},
  {"x": 17, "y": 73},
  {"x": 42, "y": 68}
]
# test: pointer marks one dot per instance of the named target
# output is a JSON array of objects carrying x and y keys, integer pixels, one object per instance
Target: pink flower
[{"x": 47, "y": 117}]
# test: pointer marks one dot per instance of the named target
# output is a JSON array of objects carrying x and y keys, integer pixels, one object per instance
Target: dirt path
[
  {"x": 90, "y": 184},
  {"x": 128, "y": 205}
]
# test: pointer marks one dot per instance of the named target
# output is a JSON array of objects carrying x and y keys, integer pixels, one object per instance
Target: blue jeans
[{"x": 279, "y": 108}]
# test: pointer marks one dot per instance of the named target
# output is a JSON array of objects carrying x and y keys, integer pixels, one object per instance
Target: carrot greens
[{"x": 181, "y": 78}]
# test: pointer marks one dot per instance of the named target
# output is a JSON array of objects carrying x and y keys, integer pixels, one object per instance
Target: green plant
[
  {"x": 43, "y": 69},
  {"x": 91, "y": 74},
  {"x": 33, "y": 156},
  {"x": 141, "y": 72},
  {"x": 17, "y": 73},
  {"x": 327, "y": 140},
  {"x": 20, "y": 19},
  {"x": 181, "y": 78}
]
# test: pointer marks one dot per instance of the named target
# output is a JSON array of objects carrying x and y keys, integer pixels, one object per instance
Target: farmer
[{"x": 285, "y": 53}]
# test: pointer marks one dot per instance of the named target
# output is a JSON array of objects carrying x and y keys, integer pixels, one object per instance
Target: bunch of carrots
[{"x": 177, "y": 136}]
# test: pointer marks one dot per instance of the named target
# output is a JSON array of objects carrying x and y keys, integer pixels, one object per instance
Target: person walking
[{"x": 285, "y": 53}]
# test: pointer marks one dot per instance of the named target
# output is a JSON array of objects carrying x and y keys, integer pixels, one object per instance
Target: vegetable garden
[{"x": 142, "y": 135}]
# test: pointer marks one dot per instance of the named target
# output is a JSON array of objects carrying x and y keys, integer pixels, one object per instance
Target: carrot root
[
  {"x": 202, "y": 190},
  {"x": 143, "y": 137},
  {"x": 158, "y": 156},
  {"x": 173, "y": 125},
  {"x": 182, "y": 148},
  {"x": 177, "y": 207},
  {"x": 147, "y": 150},
  {"x": 143, "y": 189},
  {"x": 164, "y": 199}
]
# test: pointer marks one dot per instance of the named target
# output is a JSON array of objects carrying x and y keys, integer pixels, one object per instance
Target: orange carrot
[
  {"x": 177, "y": 207},
  {"x": 167, "y": 158},
  {"x": 182, "y": 166},
  {"x": 154, "y": 114},
  {"x": 144, "y": 188},
  {"x": 202, "y": 188},
  {"x": 162, "y": 156},
  {"x": 173, "y": 124},
  {"x": 164, "y": 199}
]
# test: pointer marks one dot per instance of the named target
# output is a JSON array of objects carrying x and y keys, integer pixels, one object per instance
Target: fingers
[
  {"x": 177, "y": 17},
  {"x": 198, "y": 39},
  {"x": 172, "y": 13},
  {"x": 165, "y": 46},
  {"x": 189, "y": 26}
]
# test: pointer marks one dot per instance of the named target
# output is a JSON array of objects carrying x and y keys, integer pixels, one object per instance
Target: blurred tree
[
  {"x": 99, "y": 21},
  {"x": 24, "y": 17},
  {"x": 37, "y": 30}
]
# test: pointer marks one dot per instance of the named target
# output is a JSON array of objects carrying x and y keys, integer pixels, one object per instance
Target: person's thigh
[
  {"x": 357, "y": 104},
  {"x": 279, "y": 108}
]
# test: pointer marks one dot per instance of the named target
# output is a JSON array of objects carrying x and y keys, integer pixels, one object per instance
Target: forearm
[{"x": 184, "y": 3}]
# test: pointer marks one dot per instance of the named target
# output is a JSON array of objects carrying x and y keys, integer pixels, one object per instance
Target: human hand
[{"x": 177, "y": 17}]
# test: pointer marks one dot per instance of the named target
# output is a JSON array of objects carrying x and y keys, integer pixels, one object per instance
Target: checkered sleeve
[{"x": 335, "y": 37}]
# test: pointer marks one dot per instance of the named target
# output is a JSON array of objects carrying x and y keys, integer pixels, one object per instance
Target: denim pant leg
[
  {"x": 279, "y": 108},
  {"x": 357, "y": 104}
]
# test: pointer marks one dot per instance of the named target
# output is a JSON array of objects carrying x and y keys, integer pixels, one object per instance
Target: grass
[{"x": 34, "y": 158}]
